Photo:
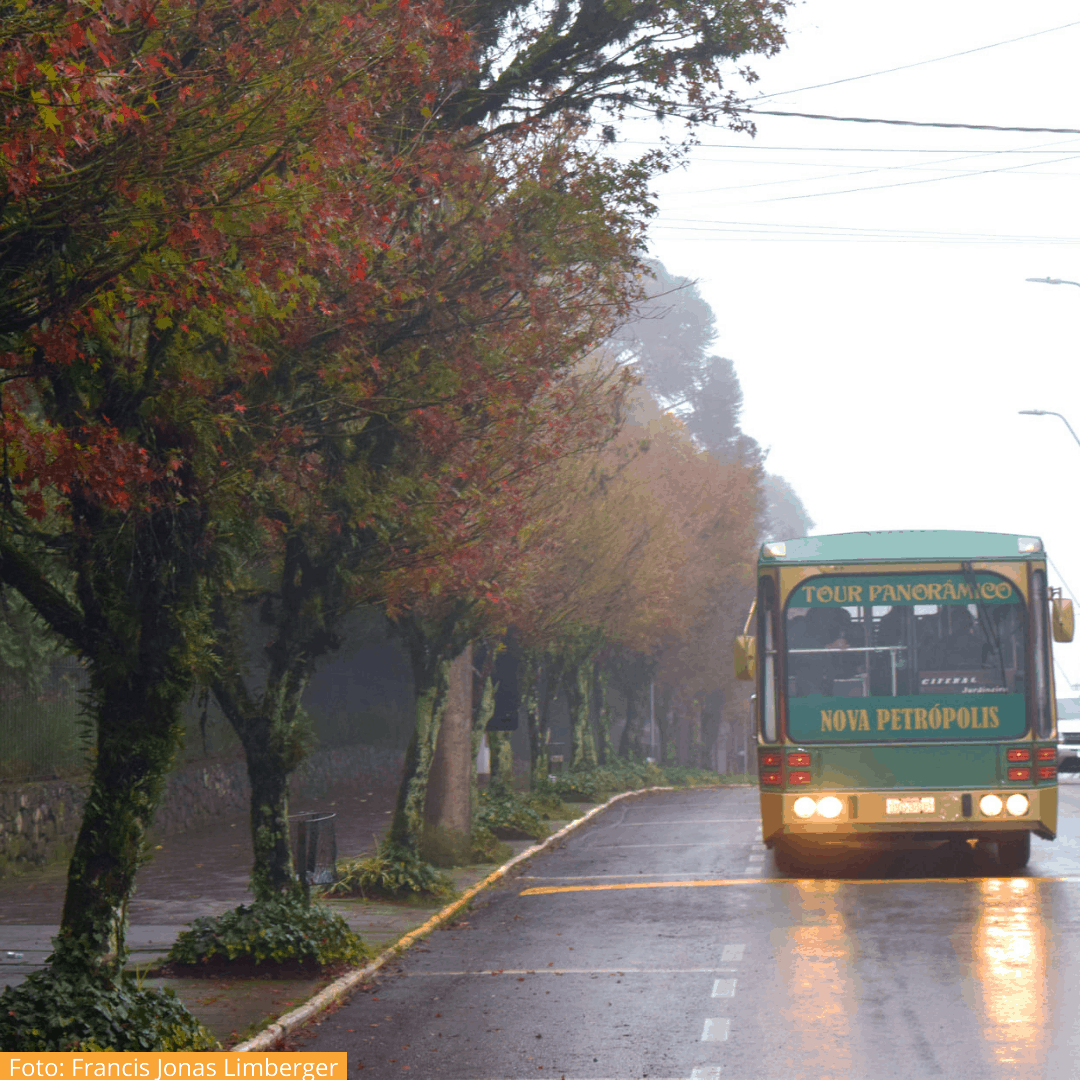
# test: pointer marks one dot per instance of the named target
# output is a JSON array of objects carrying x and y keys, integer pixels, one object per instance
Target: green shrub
[
  {"x": 55, "y": 1010},
  {"x": 271, "y": 931},
  {"x": 598, "y": 782},
  {"x": 488, "y": 848},
  {"x": 394, "y": 871},
  {"x": 503, "y": 808}
]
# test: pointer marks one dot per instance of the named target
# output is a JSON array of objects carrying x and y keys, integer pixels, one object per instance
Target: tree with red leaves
[
  {"x": 173, "y": 178},
  {"x": 417, "y": 436}
]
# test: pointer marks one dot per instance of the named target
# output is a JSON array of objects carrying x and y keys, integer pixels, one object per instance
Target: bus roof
[{"x": 922, "y": 545}]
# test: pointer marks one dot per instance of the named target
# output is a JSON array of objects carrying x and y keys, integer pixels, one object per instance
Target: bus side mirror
[
  {"x": 1061, "y": 618},
  {"x": 746, "y": 657}
]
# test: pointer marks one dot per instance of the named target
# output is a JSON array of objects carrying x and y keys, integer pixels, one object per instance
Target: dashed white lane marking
[
  {"x": 705, "y": 1072},
  {"x": 723, "y": 988},
  {"x": 732, "y": 954},
  {"x": 716, "y": 1029}
]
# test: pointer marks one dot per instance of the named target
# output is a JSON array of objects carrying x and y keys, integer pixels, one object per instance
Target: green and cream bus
[{"x": 905, "y": 692}]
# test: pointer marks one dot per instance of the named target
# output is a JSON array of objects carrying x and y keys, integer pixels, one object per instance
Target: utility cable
[
  {"x": 911, "y": 123},
  {"x": 918, "y": 63}
]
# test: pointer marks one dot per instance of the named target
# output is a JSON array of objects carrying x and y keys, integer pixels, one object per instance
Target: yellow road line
[{"x": 719, "y": 882}]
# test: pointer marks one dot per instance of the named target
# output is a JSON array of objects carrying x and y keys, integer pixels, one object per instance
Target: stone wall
[{"x": 39, "y": 821}]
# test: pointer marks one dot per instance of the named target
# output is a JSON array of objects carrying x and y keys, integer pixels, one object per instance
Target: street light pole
[{"x": 1047, "y": 412}]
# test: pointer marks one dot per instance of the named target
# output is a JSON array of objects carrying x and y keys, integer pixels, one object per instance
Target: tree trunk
[
  {"x": 604, "y": 751},
  {"x": 484, "y": 707},
  {"x": 630, "y": 742},
  {"x": 502, "y": 759},
  {"x": 136, "y": 738},
  {"x": 137, "y": 590},
  {"x": 447, "y": 830},
  {"x": 575, "y": 680},
  {"x": 407, "y": 824},
  {"x": 534, "y": 687}
]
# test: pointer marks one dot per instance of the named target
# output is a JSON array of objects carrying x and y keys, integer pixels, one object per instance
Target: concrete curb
[{"x": 338, "y": 989}]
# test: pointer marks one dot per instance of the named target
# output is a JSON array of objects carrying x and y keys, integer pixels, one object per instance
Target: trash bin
[{"x": 314, "y": 847}]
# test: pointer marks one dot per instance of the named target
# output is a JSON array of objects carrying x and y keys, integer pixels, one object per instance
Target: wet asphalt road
[{"x": 904, "y": 966}]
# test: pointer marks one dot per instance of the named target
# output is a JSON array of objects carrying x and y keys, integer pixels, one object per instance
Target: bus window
[
  {"x": 940, "y": 642},
  {"x": 1041, "y": 656}
]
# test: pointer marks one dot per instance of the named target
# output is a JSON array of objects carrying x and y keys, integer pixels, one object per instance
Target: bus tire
[{"x": 1013, "y": 854}]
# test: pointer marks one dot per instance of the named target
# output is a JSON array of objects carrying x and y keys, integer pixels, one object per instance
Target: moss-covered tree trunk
[
  {"x": 605, "y": 751},
  {"x": 138, "y": 730},
  {"x": 305, "y": 615},
  {"x": 630, "y": 741},
  {"x": 483, "y": 708},
  {"x": 576, "y": 681},
  {"x": 446, "y": 838},
  {"x": 534, "y": 694},
  {"x": 273, "y": 737},
  {"x": 431, "y": 643},
  {"x": 131, "y": 613},
  {"x": 697, "y": 747},
  {"x": 502, "y": 759},
  {"x": 667, "y": 727}
]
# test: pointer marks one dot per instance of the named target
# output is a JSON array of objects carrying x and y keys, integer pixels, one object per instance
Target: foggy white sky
[{"x": 885, "y": 337}]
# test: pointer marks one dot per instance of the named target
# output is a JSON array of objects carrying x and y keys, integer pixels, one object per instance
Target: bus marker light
[
  {"x": 770, "y": 761},
  {"x": 771, "y": 778},
  {"x": 1021, "y": 772},
  {"x": 990, "y": 805},
  {"x": 775, "y": 550},
  {"x": 1028, "y": 544},
  {"x": 1018, "y": 754},
  {"x": 1047, "y": 772},
  {"x": 1017, "y": 805},
  {"x": 830, "y": 807},
  {"x": 1046, "y": 753},
  {"x": 798, "y": 777},
  {"x": 798, "y": 761},
  {"x": 804, "y": 806}
]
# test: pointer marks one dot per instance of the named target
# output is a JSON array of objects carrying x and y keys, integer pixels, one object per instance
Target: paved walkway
[{"x": 205, "y": 872}]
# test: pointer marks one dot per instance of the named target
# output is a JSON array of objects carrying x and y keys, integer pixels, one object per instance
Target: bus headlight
[
  {"x": 804, "y": 806},
  {"x": 830, "y": 807},
  {"x": 990, "y": 805},
  {"x": 1017, "y": 805}
]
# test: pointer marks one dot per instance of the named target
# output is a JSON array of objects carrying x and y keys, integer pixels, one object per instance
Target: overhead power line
[
  {"x": 911, "y": 123},
  {"x": 846, "y": 149},
  {"x": 918, "y": 63}
]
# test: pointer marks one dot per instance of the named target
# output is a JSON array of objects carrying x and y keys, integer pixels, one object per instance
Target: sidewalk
[{"x": 205, "y": 872}]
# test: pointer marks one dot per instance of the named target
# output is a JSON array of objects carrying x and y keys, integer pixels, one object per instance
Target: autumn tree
[
  {"x": 644, "y": 560},
  {"x": 164, "y": 198}
]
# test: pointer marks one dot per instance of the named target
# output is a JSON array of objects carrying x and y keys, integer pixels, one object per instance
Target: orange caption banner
[{"x": 149, "y": 1066}]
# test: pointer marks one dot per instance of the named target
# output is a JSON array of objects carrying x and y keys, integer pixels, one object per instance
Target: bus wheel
[{"x": 1013, "y": 854}]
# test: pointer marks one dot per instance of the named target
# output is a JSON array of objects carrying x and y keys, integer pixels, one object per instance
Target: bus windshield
[{"x": 907, "y": 656}]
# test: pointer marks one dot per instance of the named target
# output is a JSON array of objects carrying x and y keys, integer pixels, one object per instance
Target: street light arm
[
  {"x": 1048, "y": 412},
  {"x": 1052, "y": 281}
]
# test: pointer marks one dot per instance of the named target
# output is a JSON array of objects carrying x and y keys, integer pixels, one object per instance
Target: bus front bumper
[{"x": 885, "y": 817}]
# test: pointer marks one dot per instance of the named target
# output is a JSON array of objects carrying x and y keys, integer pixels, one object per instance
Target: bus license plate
[{"x": 921, "y": 805}]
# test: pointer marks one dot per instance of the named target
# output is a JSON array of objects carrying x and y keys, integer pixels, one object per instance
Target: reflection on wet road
[{"x": 660, "y": 943}]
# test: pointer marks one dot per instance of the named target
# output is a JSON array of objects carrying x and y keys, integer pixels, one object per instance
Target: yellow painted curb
[{"x": 322, "y": 1000}]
